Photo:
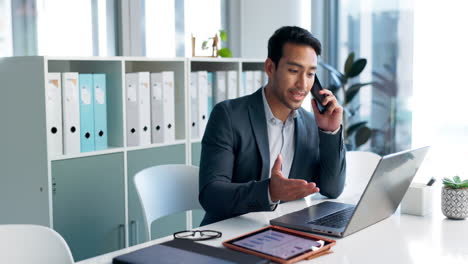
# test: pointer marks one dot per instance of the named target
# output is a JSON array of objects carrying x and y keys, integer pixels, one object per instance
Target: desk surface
[{"x": 398, "y": 239}]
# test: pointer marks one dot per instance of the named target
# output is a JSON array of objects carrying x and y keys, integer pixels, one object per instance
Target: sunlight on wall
[
  {"x": 102, "y": 28},
  {"x": 5, "y": 29},
  {"x": 160, "y": 28},
  {"x": 64, "y": 28},
  {"x": 440, "y": 115}
]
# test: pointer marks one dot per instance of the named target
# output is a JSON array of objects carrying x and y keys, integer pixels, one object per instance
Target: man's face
[{"x": 294, "y": 75}]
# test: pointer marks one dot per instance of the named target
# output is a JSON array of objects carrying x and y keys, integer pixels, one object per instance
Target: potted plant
[
  {"x": 356, "y": 133},
  {"x": 455, "y": 198},
  {"x": 215, "y": 52}
]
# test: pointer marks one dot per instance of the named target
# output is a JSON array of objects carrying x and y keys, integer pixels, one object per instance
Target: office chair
[
  {"x": 360, "y": 166},
  {"x": 167, "y": 189},
  {"x": 24, "y": 244}
]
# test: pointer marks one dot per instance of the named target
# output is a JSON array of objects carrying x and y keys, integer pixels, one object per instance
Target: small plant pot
[{"x": 455, "y": 203}]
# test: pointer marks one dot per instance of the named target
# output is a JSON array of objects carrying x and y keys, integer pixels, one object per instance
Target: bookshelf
[{"x": 89, "y": 198}]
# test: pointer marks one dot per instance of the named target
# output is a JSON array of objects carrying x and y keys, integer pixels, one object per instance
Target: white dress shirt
[
  {"x": 281, "y": 140},
  {"x": 280, "y": 137}
]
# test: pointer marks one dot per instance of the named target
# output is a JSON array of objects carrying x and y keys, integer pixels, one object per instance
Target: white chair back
[
  {"x": 167, "y": 189},
  {"x": 25, "y": 244}
]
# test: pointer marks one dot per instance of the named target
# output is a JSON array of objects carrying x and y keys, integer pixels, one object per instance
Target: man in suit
[{"x": 264, "y": 148}]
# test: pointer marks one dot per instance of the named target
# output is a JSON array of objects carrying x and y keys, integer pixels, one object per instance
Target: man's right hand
[{"x": 283, "y": 189}]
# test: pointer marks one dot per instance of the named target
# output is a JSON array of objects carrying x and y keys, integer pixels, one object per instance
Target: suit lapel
[
  {"x": 259, "y": 126},
  {"x": 300, "y": 140}
]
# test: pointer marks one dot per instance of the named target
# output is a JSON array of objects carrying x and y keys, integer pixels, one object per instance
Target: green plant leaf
[
  {"x": 362, "y": 135},
  {"x": 204, "y": 44},
  {"x": 350, "y": 94},
  {"x": 223, "y": 35},
  {"x": 349, "y": 63},
  {"x": 353, "y": 110},
  {"x": 333, "y": 88},
  {"x": 352, "y": 128},
  {"x": 357, "y": 67},
  {"x": 456, "y": 179},
  {"x": 447, "y": 181},
  {"x": 333, "y": 71},
  {"x": 353, "y": 90},
  {"x": 225, "y": 53},
  {"x": 336, "y": 81}
]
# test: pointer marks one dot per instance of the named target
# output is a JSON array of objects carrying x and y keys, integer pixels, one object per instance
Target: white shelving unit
[{"x": 89, "y": 198}]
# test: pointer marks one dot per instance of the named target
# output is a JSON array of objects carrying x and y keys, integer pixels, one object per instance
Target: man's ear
[{"x": 269, "y": 67}]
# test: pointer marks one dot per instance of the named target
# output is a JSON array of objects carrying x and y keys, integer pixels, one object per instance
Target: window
[
  {"x": 64, "y": 28},
  {"x": 102, "y": 26},
  {"x": 162, "y": 38},
  {"x": 440, "y": 90},
  {"x": 75, "y": 28},
  {"x": 381, "y": 32},
  {"x": 160, "y": 28},
  {"x": 5, "y": 29},
  {"x": 203, "y": 19},
  {"x": 57, "y": 28}
]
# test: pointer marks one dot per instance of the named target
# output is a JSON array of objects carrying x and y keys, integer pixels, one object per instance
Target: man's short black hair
[{"x": 294, "y": 35}]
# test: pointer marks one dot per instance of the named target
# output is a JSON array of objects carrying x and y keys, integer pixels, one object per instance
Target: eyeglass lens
[{"x": 197, "y": 234}]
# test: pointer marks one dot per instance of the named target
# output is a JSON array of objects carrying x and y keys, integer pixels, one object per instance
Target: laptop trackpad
[{"x": 322, "y": 209}]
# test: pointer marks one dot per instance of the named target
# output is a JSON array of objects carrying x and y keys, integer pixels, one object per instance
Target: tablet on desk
[{"x": 280, "y": 244}]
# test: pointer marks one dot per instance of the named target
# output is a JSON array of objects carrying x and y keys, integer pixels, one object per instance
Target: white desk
[{"x": 397, "y": 239}]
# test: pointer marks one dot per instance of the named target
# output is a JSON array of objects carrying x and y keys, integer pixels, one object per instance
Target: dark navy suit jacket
[{"x": 235, "y": 158}]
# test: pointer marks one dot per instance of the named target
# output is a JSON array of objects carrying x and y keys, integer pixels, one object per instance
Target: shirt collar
[{"x": 269, "y": 115}]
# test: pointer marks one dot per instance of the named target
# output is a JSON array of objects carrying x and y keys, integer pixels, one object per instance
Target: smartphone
[{"x": 318, "y": 97}]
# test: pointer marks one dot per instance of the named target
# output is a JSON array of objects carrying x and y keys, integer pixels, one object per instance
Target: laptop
[{"x": 381, "y": 197}]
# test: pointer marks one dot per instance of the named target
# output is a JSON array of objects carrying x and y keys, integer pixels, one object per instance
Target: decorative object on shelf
[
  {"x": 214, "y": 46},
  {"x": 360, "y": 132},
  {"x": 210, "y": 46},
  {"x": 455, "y": 198}
]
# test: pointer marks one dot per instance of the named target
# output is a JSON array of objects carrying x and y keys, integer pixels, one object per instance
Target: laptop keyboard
[{"x": 337, "y": 220}]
